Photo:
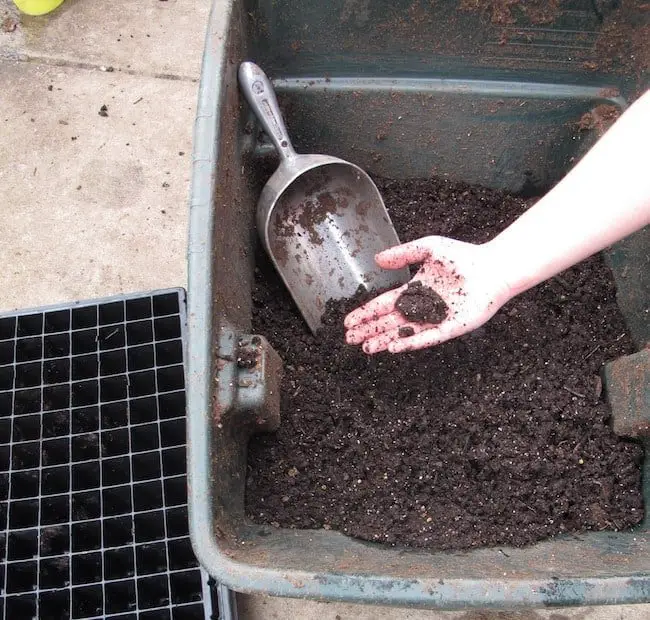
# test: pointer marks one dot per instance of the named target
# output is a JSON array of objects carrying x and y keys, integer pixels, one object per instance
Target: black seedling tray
[{"x": 93, "y": 495}]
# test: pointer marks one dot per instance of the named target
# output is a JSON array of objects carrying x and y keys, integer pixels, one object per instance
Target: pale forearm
[{"x": 603, "y": 199}]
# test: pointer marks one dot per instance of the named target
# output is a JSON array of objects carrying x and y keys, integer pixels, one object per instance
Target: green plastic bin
[{"x": 460, "y": 89}]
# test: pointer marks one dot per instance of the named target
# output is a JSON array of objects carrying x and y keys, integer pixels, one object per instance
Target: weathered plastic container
[{"x": 404, "y": 89}]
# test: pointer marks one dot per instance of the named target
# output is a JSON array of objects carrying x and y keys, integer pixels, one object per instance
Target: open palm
[{"x": 463, "y": 274}]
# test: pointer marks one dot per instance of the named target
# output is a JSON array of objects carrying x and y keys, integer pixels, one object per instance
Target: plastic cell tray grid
[{"x": 93, "y": 501}]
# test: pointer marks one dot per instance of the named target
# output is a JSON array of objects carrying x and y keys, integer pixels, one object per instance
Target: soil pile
[{"x": 498, "y": 437}]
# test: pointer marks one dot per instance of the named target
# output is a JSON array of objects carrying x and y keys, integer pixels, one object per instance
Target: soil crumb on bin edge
[
  {"x": 500, "y": 437},
  {"x": 421, "y": 304}
]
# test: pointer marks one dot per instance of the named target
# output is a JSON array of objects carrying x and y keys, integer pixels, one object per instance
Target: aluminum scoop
[{"x": 321, "y": 219}]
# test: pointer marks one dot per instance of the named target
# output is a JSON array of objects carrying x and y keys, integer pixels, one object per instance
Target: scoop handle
[{"x": 259, "y": 93}]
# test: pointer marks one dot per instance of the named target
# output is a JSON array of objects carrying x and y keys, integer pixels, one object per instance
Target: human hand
[{"x": 465, "y": 275}]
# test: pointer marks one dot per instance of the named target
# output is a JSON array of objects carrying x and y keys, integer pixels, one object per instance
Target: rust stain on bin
[
  {"x": 628, "y": 391},
  {"x": 296, "y": 583},
  {"x": 601, "y": 118}
]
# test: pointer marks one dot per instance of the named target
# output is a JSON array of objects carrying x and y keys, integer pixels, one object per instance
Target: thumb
[{"x": 402, "y": 255}]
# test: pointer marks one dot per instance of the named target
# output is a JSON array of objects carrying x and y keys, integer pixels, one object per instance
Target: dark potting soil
[
  {"x": 405, "y": 331},
  {"x": 421, "y": 304},
  {"x": 498, "y": 437}
]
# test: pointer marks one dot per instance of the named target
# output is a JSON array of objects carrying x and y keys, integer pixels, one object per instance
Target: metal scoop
[{"x": 321, "y": 219}]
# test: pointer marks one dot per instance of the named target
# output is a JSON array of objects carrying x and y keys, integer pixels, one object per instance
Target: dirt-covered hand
[{"x": 463, "y": 274}]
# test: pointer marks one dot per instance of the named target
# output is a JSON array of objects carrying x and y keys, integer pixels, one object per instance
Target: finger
[
  {"x": 383, "y": 341},
  {"x": 427, "y": 338},
  {"x": 403, "y": 255},
  {"x": 378, "y": 307},
  {"x": 376, "y": 345},
  {"x": 364, "y": 331}
]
